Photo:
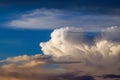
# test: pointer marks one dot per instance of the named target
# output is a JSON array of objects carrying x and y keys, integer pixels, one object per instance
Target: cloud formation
[
  {"x": 72, "y": 44},
  {"x": 111, "y": 33},
  {"x": 70, "y": 54},
  {"x": 56, "y": 18},
  {"x": 28, "y": 68},
  {"x": 37, "y": 67}
]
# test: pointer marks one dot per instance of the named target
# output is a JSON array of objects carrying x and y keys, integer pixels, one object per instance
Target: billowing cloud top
[{"x": 73, "y": 44}]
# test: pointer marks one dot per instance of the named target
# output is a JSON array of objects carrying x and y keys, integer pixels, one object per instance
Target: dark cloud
[
  {"x": 87, "y": 6},
  {"x": 111, "y": 76},
  {"x": 71, "y": 76},
  {"x": 66, "y": 3},
  {"x": 30, "y": 76}
]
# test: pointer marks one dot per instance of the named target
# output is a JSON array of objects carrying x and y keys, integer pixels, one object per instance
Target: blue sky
[
  {"x": 19, "y": 42},
  {"x": 26, "y": 23}
]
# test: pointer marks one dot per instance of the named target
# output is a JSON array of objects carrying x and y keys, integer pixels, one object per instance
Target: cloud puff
[
  {"x": 54, "y": 18},
  {"x": 71, "y": 44}
]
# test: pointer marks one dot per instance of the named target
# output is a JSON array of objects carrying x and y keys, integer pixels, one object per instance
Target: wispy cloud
[{"x": 54, "y": 18}]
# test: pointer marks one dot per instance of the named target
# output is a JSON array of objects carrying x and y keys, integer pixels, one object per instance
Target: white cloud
[
  {"x": 53, "y": 18},
  {"x": 70, "y": 44}
]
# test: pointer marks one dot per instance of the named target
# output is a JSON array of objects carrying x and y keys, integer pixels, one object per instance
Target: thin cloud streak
[{"x": 55, "y": 18}]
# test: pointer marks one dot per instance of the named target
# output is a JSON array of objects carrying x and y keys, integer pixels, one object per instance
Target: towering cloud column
[{"x": 100, "y": 52}]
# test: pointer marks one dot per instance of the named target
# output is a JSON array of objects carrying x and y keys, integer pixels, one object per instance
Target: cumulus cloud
[
  {"x": 70, "y": 44},
  {"x": 54, "y": 18},
  {"x": 70, "y": 54}
]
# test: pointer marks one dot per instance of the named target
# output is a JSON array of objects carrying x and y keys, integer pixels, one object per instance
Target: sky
[{"x": 46, "y": 34}]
